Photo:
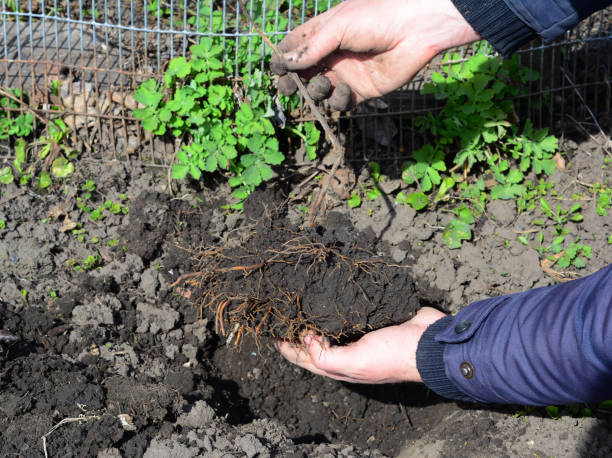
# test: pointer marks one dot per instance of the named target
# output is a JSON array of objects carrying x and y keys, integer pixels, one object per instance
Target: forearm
[
  {"x": 546, "y": 346},
  {"x": 508, "y": 24}
]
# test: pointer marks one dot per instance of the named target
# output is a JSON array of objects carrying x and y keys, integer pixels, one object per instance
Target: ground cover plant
[{"x": 225, "y": 124}]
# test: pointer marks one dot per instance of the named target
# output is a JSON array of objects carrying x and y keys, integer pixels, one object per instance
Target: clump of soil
[
  {"x": 319, "y": 87},
  {"x": 276, "y": 280}
]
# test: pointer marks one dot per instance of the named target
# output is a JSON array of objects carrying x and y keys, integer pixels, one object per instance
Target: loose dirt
[{"x": 115, "y": 361}]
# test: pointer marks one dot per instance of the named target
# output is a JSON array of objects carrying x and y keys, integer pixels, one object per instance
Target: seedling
[
  {"x": 459, "y": 229},
  {"x": 89, "y": 263},
  {"x": 575, "y": 256},
  {"x": 354, "y": 201},
  {"x": 553, "y": 412},
  {"x": 24, "y": 296},
  {"x": 561, "y": 216}
]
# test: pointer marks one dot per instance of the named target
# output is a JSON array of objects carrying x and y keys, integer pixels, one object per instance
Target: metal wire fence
[{"x": 87, "y": 57}]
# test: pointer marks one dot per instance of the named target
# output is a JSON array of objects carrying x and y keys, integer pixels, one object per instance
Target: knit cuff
[
  {"x": 495, "y": 22},
  {"x": 430, "y": 363}
]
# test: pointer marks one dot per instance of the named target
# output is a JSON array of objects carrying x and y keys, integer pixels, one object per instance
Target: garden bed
[{"x": 110, "y": 345}]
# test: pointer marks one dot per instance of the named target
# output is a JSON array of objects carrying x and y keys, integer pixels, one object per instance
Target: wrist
[{"x": 449, "y": 28}]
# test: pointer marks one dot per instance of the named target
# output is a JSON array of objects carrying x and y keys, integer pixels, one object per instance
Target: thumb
[
  {"x": 313, "y": 49},
  {"x": 332, "y": 359}
]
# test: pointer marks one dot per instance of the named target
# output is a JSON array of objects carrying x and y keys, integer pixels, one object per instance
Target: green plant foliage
[
  {"x": 553, "y": 412},
  {"x": 219, "y": 134},
  {"x": 477, "y": 127},
  {"x": 354, "y": 200},
  {"x": 224, "y": 127},
  {"x": 13, "y": 123},
  {"x": 424, "y": 169},
  {"x": 575, "y": 255},
  {"x": 458, "y": 229},
  {"x": 416, "y": 200}
]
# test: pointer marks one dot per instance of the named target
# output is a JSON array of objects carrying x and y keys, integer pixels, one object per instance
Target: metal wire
[{"x": 101, "y": 49}]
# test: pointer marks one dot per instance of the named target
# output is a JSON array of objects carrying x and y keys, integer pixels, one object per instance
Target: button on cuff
[{"x": 466, "y": 369}]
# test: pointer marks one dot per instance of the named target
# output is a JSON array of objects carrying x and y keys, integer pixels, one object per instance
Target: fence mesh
[{"x": 87, "y": 57}]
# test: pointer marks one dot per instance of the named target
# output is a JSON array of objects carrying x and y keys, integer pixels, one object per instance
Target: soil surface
[
  {"x": 101, "y": 356},
  {"x": 272, "y": 278}
]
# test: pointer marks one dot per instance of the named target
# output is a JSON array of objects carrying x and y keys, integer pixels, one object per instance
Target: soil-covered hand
[
  {"x": 373, "y": 46},
  {"x": 387, "y": 355}
]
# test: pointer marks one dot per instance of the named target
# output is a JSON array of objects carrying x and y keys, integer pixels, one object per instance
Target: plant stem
[{"x": 337, "y": 147}]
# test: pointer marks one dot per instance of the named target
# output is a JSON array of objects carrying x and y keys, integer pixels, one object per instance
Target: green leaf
[
  {"x": 6, "y": 175},
  {"x": 438, "y": 78},
  {"x": 251, "y": 175},
  {"x": 507, "y": 191},
  {"x": 178, "y": 67},
  {"x": 195, "y": 172},
  {"x": 20, "y": 153},
  {"x": 523, "y": 240},
  {"x": 241, "y": 193},
  {"x": 210, "y": 163},
  {"x": 148, "y": 94},
  {"x": 446, "y": 185},
  {"x": 44, "y": 180},
  {"x": 489, "y": 136},
  {"x": 274, "y": 157},
  {"x": 514, "y": 176},
  {"x": 465, "y": 215},
  {"x": 545, "y": 207},
  {"x": 605, "y": 405},
  {"x": 455, "y": 233},
  {"x": 553, "y": 412},
  {"x": 354, "y": 200},
  {"x": 417, "y": 200},
  {"x": 547, "y": 166},
  {"x": 61, "y": 168},
  {"x": 265, "y": 171}
]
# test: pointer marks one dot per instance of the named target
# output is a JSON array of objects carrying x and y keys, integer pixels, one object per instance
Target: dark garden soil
[{"x": 160, "y": 345}]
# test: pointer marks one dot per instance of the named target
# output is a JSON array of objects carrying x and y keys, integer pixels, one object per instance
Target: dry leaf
[
  {"x": 343, "y": 182},
  {"x": 56, "y": 212},
  {"x": 547, "y": 264},
  {"x": 68, "y": 225},
  {"x": 559, "y": 161}
]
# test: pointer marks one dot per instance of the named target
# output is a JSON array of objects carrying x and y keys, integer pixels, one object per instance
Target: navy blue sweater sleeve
[
  {"x": 545, "y": 346},
  {"x": 507, "y": 24}
]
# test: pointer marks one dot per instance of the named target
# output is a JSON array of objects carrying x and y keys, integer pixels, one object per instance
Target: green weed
[
  {"x": 89, "y": 263},
  {"x": 477, "y": 128},
  {"x": 224, "y": 127}
]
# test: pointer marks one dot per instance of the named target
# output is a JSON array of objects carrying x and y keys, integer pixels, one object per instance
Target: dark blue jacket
[
  {"x": 545, "y": 346},
  {"x": 507, "y": 24}
]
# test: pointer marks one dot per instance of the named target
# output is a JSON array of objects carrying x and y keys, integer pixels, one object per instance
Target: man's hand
[
  {"x": 384, "y": 356},
  {"x": 374, "y": 46}
]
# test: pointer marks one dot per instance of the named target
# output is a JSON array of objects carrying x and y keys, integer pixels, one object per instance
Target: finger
[
  {"x": 297, "y": 355},
  {"x": 335, "y": 360},
  {"x": 313, "y": 50},
  {"x": 295, "y": 38},
  {"x": 292, "y": 353}
]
